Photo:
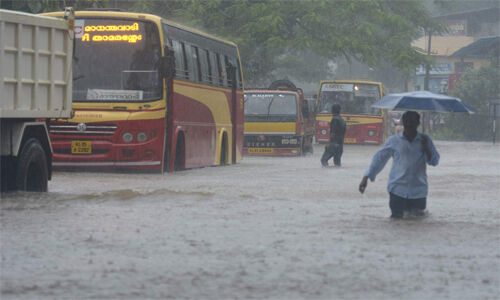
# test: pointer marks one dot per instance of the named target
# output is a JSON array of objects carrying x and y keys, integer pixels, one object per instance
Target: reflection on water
[{"x": 32, "y": 200}]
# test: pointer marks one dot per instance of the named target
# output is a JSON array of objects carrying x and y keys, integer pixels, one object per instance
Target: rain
[{"x": 270, "y": 226}]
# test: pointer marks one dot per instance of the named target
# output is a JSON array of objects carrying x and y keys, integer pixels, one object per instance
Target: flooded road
[{"x": 273, "y": 228}]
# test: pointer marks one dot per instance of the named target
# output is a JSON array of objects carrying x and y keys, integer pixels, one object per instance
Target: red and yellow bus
[
  {"x": 150, "y": 94},
  {"x": 365, "y": 125}
]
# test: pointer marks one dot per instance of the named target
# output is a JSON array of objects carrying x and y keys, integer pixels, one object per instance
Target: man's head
[
  {"x": 411, "y": 120},
  {"x": 336, "y": 109}
]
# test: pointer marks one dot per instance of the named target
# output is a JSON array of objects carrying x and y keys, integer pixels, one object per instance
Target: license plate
[
  {"x": 349, "y": 141},
  {"x": 260, "y": 150},
  {"x": 81, "y": 147}
]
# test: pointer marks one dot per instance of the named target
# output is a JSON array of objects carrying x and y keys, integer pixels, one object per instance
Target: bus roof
[
  {"x": 268, "y": 91},
  {"x": 138, "y": 16},
  {"x": 351, "y": 81}
]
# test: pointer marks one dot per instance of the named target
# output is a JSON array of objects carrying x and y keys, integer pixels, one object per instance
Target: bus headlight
[
  {"x": 323, "y": 132},
  {"x": 127, "y": 137},
  {"x": 142, "y": 137},
  {"x": 371, "y": 133}
]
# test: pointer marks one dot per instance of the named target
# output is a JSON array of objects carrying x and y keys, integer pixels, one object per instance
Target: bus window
[
  {"x": 215, "y": 72},
  {"x": 196, "y": 63},
  {"x": 220, "y": 70},
  {"x": 228, "y": 65},
  {"x": 206, "y": 69},
  {"x": 185, "y": 61},
  {"x": 179, "y": 60}
]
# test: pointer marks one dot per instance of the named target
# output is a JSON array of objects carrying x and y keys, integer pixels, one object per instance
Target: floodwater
[{"x": 266, "y": 228}]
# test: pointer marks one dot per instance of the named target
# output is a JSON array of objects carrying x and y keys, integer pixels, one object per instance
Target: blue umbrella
[{"x": 422, "y": 101}]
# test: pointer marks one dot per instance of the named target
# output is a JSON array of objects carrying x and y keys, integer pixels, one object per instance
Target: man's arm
[
  {"x": 363, "y": 184},
  {"x": 431, "y": 154},
  {"x": 379, "y": 161}
]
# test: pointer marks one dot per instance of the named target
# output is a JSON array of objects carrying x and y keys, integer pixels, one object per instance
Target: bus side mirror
[{"x": 167, "y": 66}]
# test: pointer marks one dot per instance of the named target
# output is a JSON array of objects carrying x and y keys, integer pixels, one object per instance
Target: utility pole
[
  {"x": 426, "y": 78},
  {"x": 427, "y": 64}
]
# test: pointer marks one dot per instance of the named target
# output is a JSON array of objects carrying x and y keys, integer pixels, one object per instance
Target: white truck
[{"x": 35, "y": 85}]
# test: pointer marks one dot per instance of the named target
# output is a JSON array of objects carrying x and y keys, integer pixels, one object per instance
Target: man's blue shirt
[{"x": 408, "y": 177}]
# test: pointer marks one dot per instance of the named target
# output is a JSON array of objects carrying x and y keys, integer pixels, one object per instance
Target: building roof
[
  {"x": 491, "y": 12},
  {"x": 442, "y": 45},
  {"x": 480, "y": 48}
]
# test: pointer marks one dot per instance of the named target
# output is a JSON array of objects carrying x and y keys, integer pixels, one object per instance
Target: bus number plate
[
  {"x": 81, "y": 147},
  {"x": 260, "y": 150},
  {"x": 350, "y": 141}
]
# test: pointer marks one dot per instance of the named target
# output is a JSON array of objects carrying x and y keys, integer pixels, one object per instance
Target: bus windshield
[
  {"x": 353, "y": 98},
  {"x": 116, "y": 60},
  {"x": 270, "y": 107}
]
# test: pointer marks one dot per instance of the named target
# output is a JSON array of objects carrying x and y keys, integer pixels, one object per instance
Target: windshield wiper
[{"x": 269, "y": 107}]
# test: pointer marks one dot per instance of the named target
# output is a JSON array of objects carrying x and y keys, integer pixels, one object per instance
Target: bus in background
[
  {"x": 149, "y": 94},
  {"x": 365, "y": 125},
  {"x": 277, "y": 121}
]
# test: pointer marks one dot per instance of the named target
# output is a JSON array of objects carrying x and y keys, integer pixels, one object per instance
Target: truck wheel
[
  {"x": 8, "y": 174},
  {"x": 32, "y": 171}
]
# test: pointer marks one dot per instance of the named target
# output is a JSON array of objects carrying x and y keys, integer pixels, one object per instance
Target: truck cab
[{"x": 278, "y": 122}]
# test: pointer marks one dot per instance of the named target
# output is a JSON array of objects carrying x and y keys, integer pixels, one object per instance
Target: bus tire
[
  {"x": 32, "y": 170},
  {"x": 179, "y": 154},
  {"x": 223, "y": 151}
]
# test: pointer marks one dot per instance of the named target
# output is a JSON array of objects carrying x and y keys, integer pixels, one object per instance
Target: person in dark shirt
[{"x": 336, "y": 144}]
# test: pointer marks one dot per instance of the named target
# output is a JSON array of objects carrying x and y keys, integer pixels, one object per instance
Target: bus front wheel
[
  {"x": 223, "y": 152},
  {"x": 179, "y": 154}
]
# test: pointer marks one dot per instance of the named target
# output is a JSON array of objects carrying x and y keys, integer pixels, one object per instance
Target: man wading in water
[
  {"x": 411, "y": 151},
  {"x": 336, "y": 144}
]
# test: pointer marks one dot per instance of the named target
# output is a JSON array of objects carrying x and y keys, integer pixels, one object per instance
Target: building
[{"x": 471, "y": 38}]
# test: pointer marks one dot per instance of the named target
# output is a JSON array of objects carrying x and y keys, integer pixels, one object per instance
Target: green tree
[
  {"x": 295, "y": 37},
  {"x": 39, "y": 6},
  {"x": 272, "y": 34},
  {"x": 475, "y": 88}
]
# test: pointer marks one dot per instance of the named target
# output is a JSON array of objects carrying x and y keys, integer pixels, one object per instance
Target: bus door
[
  {"x": 231, "y": 72},
  {"x": 168, "y": 69}
]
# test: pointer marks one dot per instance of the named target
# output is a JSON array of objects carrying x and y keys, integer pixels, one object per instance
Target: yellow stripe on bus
[
  {"x": 216, "y": 101},
  {"x": 269, "y": 127},
  {"x": 158, "y": 104}
]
